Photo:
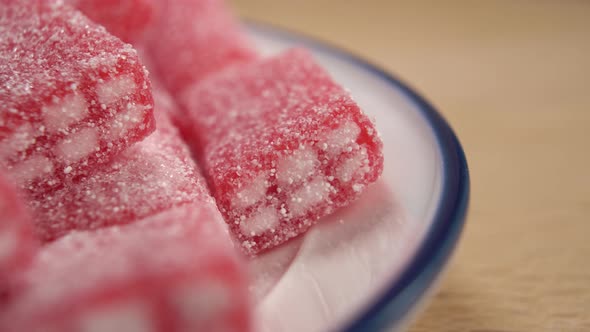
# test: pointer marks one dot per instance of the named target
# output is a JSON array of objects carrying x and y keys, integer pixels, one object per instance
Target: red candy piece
[
  {"x": 71, "y": 95},
  {"x": 282, "y": 145},
  {"x": 149, "y": 177},
  {"x": 17, "y": 242},
  {"x": 175, "y": 271},
  {"x": 126, "y": 19},
  {"x": 193, "y": 38}
]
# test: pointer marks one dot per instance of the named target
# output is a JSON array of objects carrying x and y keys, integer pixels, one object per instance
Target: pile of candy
[{"x": 129, "y": 200}]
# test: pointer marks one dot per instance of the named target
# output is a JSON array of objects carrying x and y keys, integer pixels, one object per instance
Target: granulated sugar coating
[
  {"x": 126, "y": 19},
  {"x": 193, "y": 38},
  {"x": 17, "y": 242},
  {"x": 71, "y": 95},
  {"x": 282, "y": 145},
  {"x": 149, "y": 177},
  {"x": 174, "y": 271}
]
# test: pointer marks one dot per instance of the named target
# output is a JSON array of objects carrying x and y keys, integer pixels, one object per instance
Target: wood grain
[{"x": 513, "y": 79}]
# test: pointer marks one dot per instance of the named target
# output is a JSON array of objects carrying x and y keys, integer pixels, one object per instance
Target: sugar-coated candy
[
  {"x": 71, "y": 95},
  {"x": 17, "y": 240},
  {"x": 193, "y": 38},
  {"x": 281, "y": 144},
  {"x": 126, "y": 19},
  {"x": 174, "y": 271},
  {"x": 151, "y": 176}
]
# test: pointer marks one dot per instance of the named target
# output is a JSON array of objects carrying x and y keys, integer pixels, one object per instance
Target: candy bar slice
[
  {"x": 126, "y": 19},
  {"x": 282, "y": 145},
  {"x": 71, "y": 95},
  {"x": 175, "y": 271},
  {"x": 17, "y": 241},
  {"x": 149, "y": 177},
  {"x": 193, "y": 38}
]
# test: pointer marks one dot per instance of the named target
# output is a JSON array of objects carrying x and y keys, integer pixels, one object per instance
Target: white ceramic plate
[{"x": 366, "y": 267}]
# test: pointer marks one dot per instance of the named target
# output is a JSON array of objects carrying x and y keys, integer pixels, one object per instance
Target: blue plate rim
[{"x": 404, "y": 293}]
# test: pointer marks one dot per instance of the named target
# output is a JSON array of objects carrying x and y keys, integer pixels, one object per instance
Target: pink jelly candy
[
  {"x": 147, "y": 178},
  {"x": 282, "y": 145},
  {"x": 192, "y": 38},
  {"x": 17, "y": 242},
  {"x": 126, "y": 19},
  {"x": 71, "y": 95},
  {"x": 174, "y": 271}
]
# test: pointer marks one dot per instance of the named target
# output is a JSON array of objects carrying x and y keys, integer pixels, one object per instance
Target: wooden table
[{"x": 513, "y": 79}]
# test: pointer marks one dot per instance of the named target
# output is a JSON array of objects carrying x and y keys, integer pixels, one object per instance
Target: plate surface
[{"x": 367, "y": 266}]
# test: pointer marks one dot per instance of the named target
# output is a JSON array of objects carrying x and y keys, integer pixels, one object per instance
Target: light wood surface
[{"x": 513, "y": 79}]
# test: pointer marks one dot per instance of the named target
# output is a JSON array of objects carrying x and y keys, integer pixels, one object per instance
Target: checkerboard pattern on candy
[
  {"x": 282, "y": 145},
  {"x": 71, "y": 95},
  {"x": 149, "y": 177}
]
